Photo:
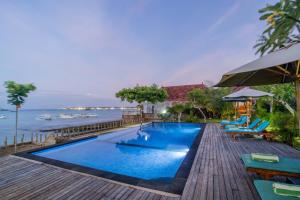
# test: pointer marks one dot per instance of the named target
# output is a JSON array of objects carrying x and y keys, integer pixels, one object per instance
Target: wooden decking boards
[{"x": 217, "y": 173}]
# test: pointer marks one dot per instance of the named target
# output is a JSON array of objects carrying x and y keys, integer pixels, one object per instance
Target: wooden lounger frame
[
  {"x": 268, "y": 136},
  {"x": 267, "y": 174},
  {"x": 234, "y": 134}
]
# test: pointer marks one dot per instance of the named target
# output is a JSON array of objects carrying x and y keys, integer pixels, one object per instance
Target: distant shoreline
[{"x": 74, "y": 108}]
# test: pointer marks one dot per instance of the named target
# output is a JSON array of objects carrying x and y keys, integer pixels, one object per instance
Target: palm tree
[
  {"x": 16, "y": 96},
  {"x": 283, "y": 19}
]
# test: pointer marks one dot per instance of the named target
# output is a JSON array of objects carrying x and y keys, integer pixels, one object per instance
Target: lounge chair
[
  {"x": 289, "y": 167},
  {"x": 251, "y": 126},
  {"x": 242, "y": 120},
  {"x": 266, "y": 192},
  {"x": 246, "y": 131}
]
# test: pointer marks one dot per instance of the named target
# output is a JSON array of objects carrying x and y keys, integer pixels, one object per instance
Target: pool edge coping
[{"x": 180, "y": 177}]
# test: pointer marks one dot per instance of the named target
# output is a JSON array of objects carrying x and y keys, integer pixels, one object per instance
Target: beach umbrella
[
  {"x": 246, "y": 93},
  {"x": 281, "y": 66}
]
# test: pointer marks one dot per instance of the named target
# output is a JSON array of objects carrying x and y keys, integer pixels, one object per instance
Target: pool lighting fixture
[{"x": 164, "y": 111}]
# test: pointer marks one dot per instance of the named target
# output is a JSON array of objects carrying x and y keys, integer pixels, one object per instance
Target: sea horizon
[{"x": 33, "y": 120}]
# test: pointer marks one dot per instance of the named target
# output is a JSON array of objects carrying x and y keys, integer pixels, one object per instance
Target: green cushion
[
  {"x": 286, "y": 189},
  {"x": 285, "y": 164},
  {"x": 266, "y": 192},
  {"x": 264, "y": 157}
]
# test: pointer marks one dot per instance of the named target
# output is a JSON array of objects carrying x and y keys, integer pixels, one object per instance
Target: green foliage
[
  {"x": 211, "y": 100},
  {"x": 140, "y": 94},
  {"x": 262, "y": 109},
  {"x": 198, "y": 97},
  {"x": 283, "y": 25},
  {"x": 282, "y": 121},
  {"x": 297, "y": 142},
  {"x": 284, "y": 124},
  {"x": 165, "y": 116},
  {"x": 18, "y": 92},
  {"x": 217, "y": 105},
  {"x": 177, "y": 110},
  {"x": 285, "y": 92},
  {"x": 192, "y": 119}
]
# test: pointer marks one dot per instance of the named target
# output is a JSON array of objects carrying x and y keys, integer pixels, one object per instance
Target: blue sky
[{"x": 80, "y": 52}]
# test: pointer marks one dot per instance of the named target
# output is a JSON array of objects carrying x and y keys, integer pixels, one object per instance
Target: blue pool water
[{"x": 156, "y": 152}]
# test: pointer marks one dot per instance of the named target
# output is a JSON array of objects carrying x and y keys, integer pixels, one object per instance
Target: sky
[{"x": 81, "y": 52}]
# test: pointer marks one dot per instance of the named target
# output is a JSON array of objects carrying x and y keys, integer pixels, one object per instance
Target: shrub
[{"x": 284, "y": 124}]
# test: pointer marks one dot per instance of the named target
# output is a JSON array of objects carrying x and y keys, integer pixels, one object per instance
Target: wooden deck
[{"x": 217, "y": 173}]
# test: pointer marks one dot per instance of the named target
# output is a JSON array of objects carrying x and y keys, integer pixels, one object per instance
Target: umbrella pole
[{"x": 297, "y": 88}]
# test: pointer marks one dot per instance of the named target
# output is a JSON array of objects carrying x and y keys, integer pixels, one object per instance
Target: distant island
[
  {"x": 2, "y": 109},
  {"x": 99, "y": 108}
]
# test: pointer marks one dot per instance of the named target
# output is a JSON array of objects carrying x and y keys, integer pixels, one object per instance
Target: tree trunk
[
  {"x": 202, "y": 113},
  {"x": 16, "y": 133},
  {"x": 179, "y": 117},
  {"x": 297, "y": 88},
  {"x": 141, "y": 116}
]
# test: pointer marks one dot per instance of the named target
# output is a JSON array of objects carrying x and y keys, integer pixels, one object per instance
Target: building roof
[{"x": 179, "y": 93}]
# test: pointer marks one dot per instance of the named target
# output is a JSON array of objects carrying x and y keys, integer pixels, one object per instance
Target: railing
[
  {"x": 131, "y": 112},
  {"x": 42, "y": 137}
]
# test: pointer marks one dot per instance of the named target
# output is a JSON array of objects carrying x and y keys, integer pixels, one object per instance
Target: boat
[
  {"x": 91, "y": 115},
  {"x": 84, "y": 115},
  {"x": 3, "y": 117},
  {"x": 45, "y": 117},
  {"x": 65, "y": 116}
]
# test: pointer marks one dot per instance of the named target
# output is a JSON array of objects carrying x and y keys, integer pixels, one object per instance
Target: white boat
[
  {"x": 77, "y": 116},
  {"x": 45, "y": 117},
  {"x": 3, "y": 117},
  {"x": 65, "y": 116},
  {"x": 91, "y": 115}
]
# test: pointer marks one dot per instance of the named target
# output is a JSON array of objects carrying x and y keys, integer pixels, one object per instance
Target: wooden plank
[{"x": 217, "y": 173}]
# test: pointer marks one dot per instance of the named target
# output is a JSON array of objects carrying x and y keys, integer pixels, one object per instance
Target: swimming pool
[{"x": 159, "y": 155}]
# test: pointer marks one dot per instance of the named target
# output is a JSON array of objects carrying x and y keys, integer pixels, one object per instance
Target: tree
[
  {"x": 283, "y": 94},
  {"x": 216, "y": 104},
  {"x": 141, "y": 94},
  {"x": 16, "y": 96},
  {"x": 283, "y": 19},
  {"x": 199, "y": 100},
  {"x": 178, "y": 110}
]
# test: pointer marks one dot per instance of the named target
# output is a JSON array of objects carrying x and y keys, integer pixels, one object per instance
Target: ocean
[{"x": 30, "y": 121}]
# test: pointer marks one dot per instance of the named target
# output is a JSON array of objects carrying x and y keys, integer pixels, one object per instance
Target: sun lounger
[
  {"x": 246, "y": 131},
  {"x": 266, "y": 191},
  {"x": 251, "y": 126},
  {"x": 242, "y": 120},
  {"x": 289, "y": 167}
]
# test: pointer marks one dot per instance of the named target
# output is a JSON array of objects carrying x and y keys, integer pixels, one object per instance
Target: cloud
[
  {"x": 209, "y": 66},
  {"x": 224, "y": 17},
  {"x": 213, "y": 63},
  {"x": 76, "y": 48}
]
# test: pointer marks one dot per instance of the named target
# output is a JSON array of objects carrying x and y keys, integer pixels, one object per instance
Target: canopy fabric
[
  {"x": 246, "y": 93},
  {"x": 242, "y": 99},
  {"x": 281, "y": 66}
]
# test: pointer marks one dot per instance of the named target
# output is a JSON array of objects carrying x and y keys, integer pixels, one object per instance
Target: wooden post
[
  {"x": 32, "y": 138},
  {"x": 297, "y": 88},
  {"x": 5, "y": 142},
  {"x": 22, "y": 138},
  {"x": 14, "y": 140}
]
